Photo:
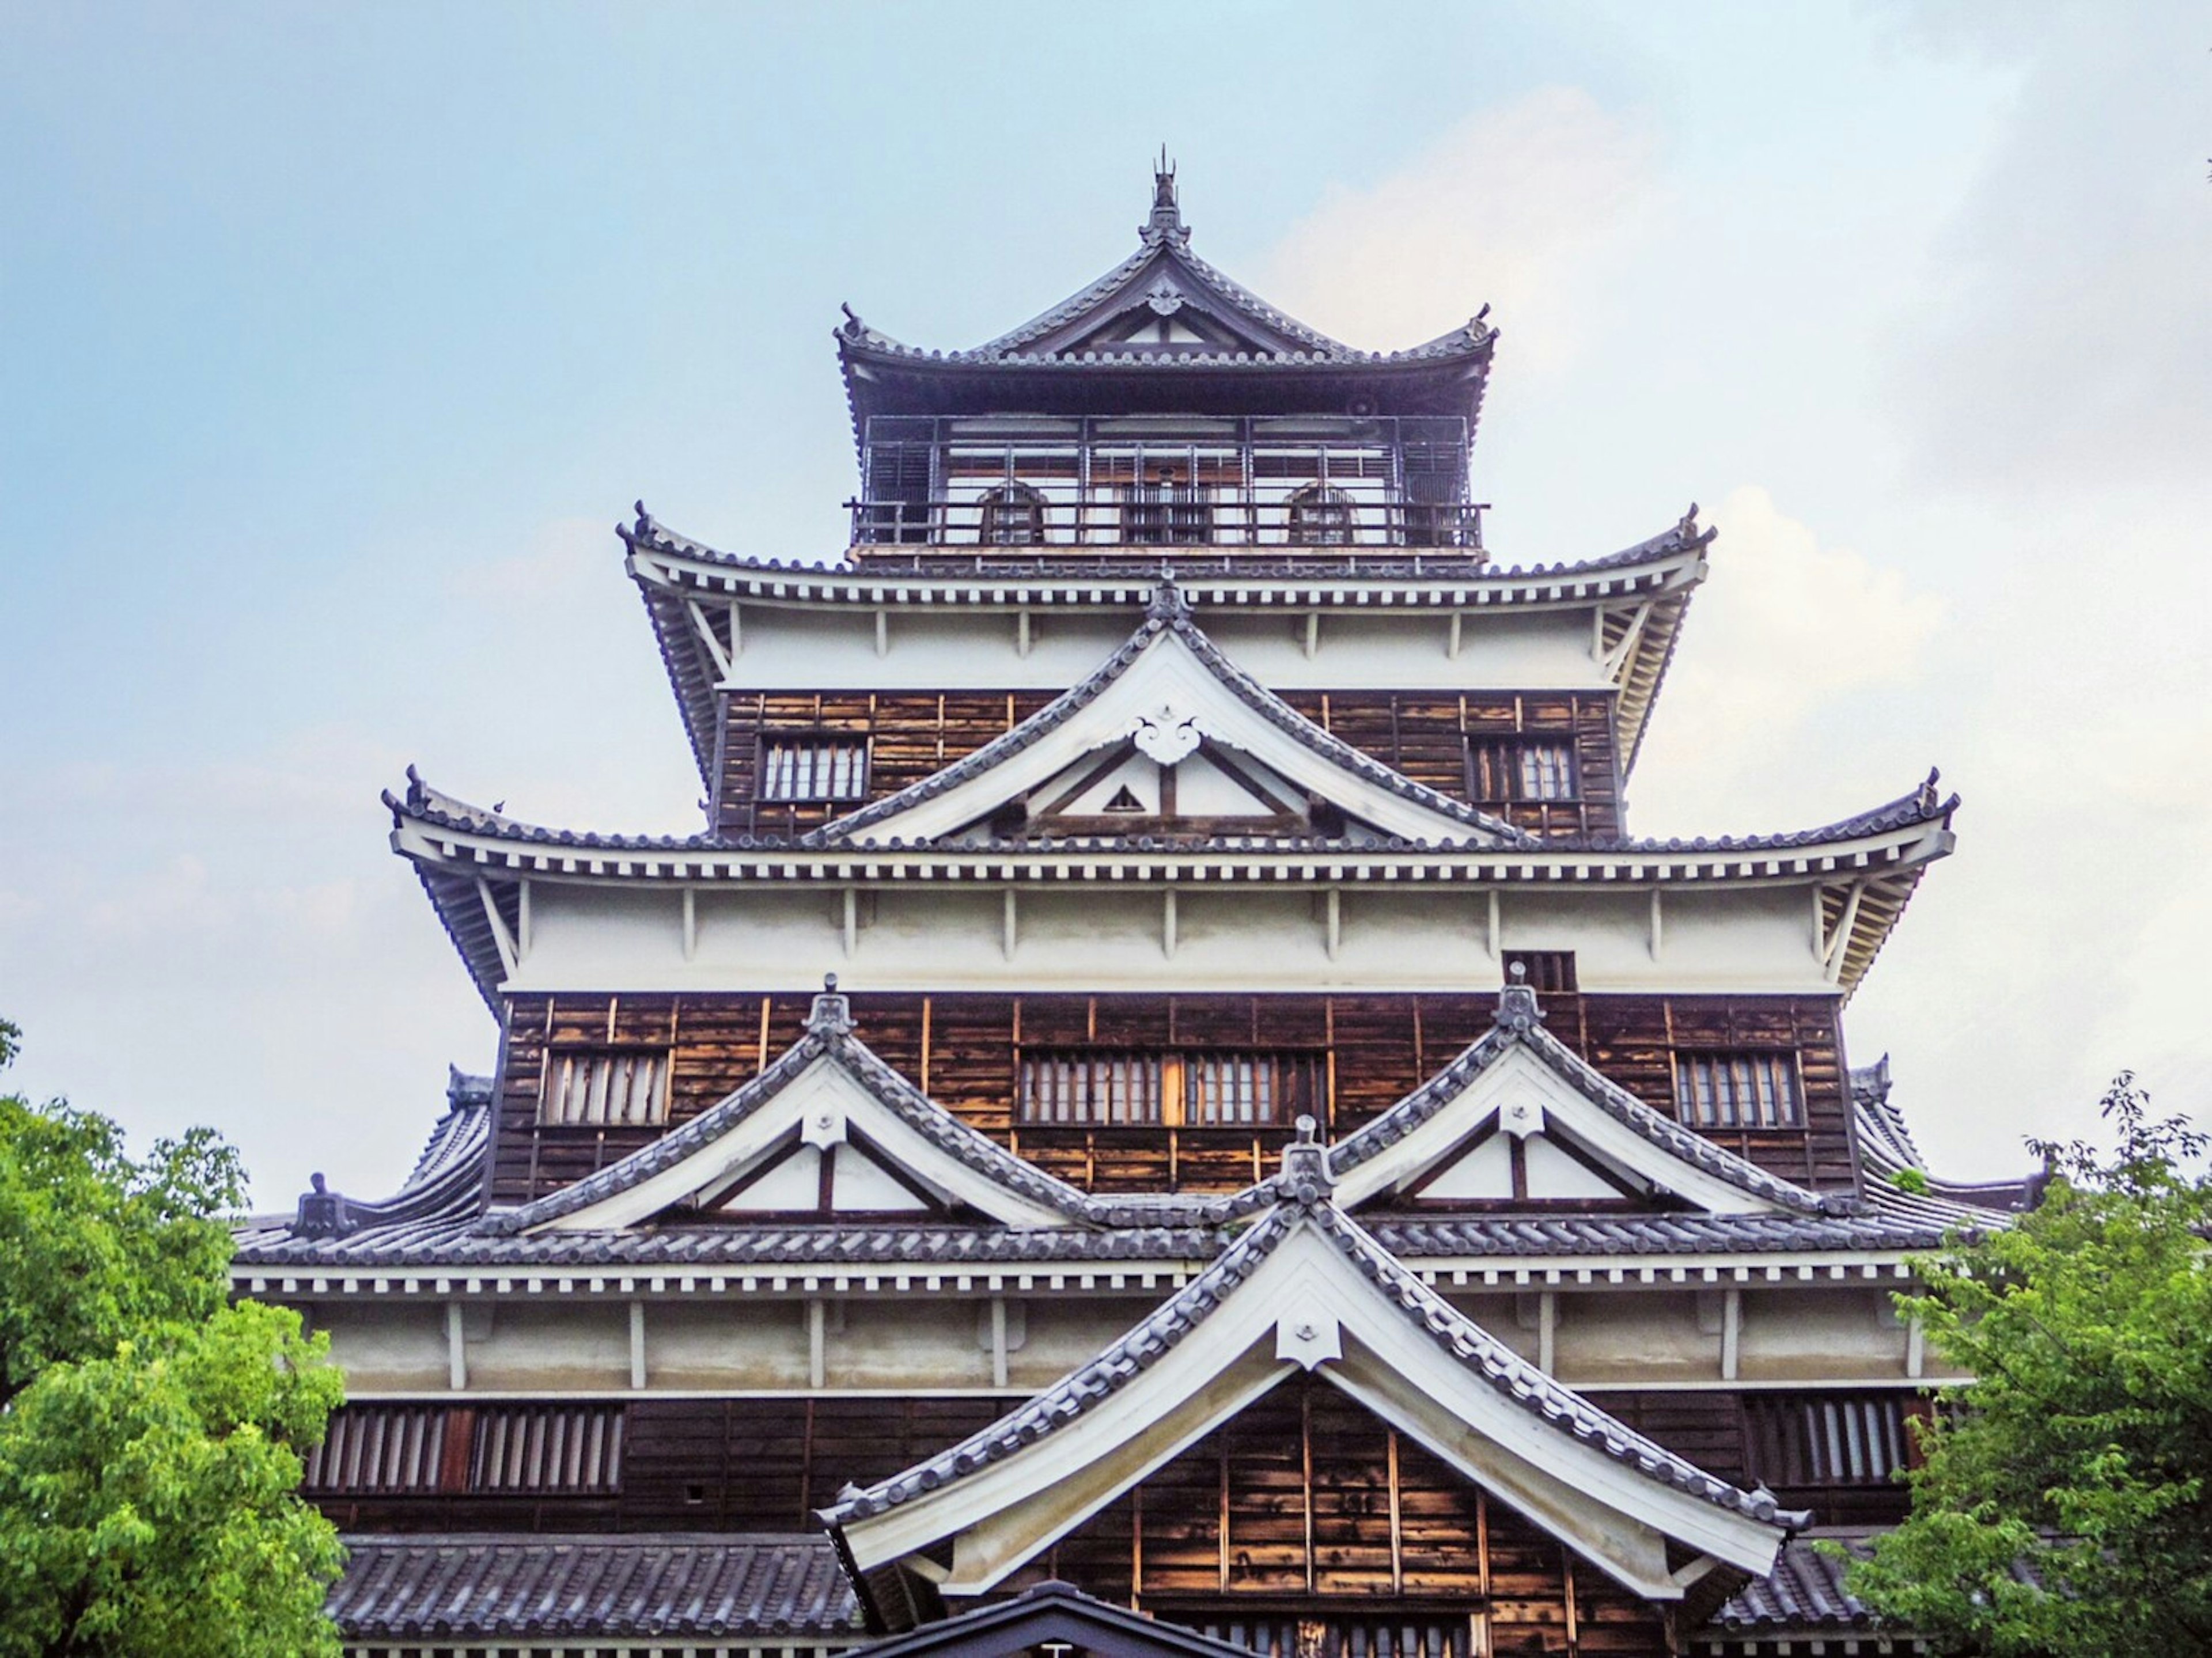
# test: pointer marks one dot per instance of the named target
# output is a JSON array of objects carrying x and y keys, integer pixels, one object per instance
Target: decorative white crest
[{"x": 1167, "y": 737}]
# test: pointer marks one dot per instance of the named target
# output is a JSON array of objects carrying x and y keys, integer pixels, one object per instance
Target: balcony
[{"x": 1335, "y": 486}]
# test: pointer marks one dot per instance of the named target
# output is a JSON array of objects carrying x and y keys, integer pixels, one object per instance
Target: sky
[{"x": 338, "y": 338}]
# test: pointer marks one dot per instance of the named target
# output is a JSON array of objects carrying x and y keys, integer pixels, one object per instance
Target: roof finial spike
[
  {"x": 1305, "y": 1178},
  {"x": 1517, "y": 1011},
  {"x": 1166, "y": 220},
  {"x": 831, "y": 1016}
]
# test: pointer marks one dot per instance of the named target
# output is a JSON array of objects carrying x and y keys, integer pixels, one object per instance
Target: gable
[
  {"x": 1308, "y": 1491},
  {"x": 1519, "y": 1119},
  {"x": 1170, "y": 698},
  {"x": 1305, "y": 1290}
]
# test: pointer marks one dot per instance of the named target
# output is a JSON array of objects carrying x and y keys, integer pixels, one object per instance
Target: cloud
[
  {"x": 1518, "y": 206},
  {"x": 1784, "y": 629},
  {"x": 2062, "y": 330}
]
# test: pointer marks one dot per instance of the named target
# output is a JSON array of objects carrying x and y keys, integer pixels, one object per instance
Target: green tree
[
  {"x": 150, "y": 1430},
  {"x": 2062, "y": 1505}
]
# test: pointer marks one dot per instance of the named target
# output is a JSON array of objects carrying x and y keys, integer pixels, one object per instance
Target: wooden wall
[
  {"x": 1423, "y": 734},
  {"x": 767, "y": 1464},
  {"x": 964, "y": 1050}
]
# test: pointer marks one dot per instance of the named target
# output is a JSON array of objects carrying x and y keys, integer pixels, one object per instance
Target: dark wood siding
[
  {"x": 1423, "y": 734},
  {"x": 964, "y": 1051},
  {"x": 767, "y": 1464}
]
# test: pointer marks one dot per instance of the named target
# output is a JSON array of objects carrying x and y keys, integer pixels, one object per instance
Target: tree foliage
[
  {"x": 150, "y": 1430},
  {"x": 2062, "y": 1505}
]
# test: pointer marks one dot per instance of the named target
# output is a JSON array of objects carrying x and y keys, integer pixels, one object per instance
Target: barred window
[
  {"x": 1521, "y": 770},
  {"x": 374, "y": 1450},
  {"x": 1743, "y": 1089},
  {"x": 1828, "y": 1439},
  {"x": 1203, "y": 1090},
  {"x": 386, "y": 1450},
  {"x": 566, "y": 1449},
  {"x": 605, "y": 1086},
  {"x": 813, "y": 769},
  {"x": 1091, "y": 1087},
  {"x": 1237, "y": 1088}
]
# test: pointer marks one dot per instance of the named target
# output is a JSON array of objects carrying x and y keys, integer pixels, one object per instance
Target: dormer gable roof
[
  {"x": 828, "y": 1089},
  {"x": 1518, "y": 1081},
  {"x": 1168, "y": 690},
  {"x": 1306, "y": 1288}
]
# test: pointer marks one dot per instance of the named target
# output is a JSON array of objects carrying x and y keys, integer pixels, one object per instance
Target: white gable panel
[
  {"x": 1554, "y": 1174},
  {"x": 1532, "y": 1092},
  {"x": 860, "y": 1185},
  {"x": 1486, "y": 1171},
  {"x": 793, "y": 1185}
]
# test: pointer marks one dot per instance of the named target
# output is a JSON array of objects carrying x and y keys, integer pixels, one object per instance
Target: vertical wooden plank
[
  {"x": 1306, "y": 1486},
  {"x": 1481, "y": 1617},
  {"x": 926, "y": 1002},
  {"x": 760, "y": 1061},
  {"x": 1397, "y": 1520},
  {"x": 1567, "y": 1583},
  {"x": 1221, "y": 1517}
]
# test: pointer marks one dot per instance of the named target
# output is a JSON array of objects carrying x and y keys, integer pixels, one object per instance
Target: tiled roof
[
  {"x": 1304, "y": 1191},
  {"x": 1888, "y": 1154},
  {"x": 678, "y": 1586},
  {"x": 1517, "y": 1021},
  {"x": 1164, "y": 272},
  {"x": 1805, "y": 1591},
  {"x": 1169, "y": 613}
]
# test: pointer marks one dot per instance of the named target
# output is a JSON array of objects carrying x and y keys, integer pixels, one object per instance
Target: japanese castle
[{"x": 1163, "y": 1111}]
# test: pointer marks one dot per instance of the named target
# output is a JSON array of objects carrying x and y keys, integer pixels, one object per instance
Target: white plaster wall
[
  {"x": 726, "y": 1344},
  {"x": 909, "y": 1344},
  {"x": 1079, "y": 935},
  {"x": 977, "y": 649},
  {"x": 387, "y": 1347},
  {"x": 1650, "y": 1337},
  {"x": 1812, "y": 1334},
  {"x": 574, "y": 1347}
]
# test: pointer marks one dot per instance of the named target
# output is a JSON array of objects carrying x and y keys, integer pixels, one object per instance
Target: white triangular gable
[
  {"x": 1568, "y": 1147},
  {"x": 825, "y": 1109},
  {"x": 1307, "y": 1304},
  {"x": 1169, "y": 697}
]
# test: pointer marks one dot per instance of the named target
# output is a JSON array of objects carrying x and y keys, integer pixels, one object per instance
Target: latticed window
[
  {"x": 1091, "y": 1087},
  {"x": 605, "y": 1086},
  {"x": 1193, "y": 1089},
  {"x": 389, "y": 1450},
  {"x": 378, "y": 1450},
  {"x": 1521, "y": 770},
  {"x": 561, "y": 1448},
  {"x": 1167, "y": 514},
  {"x": 1739, "y": 1089},
  {"x": 1828, "y": 1439},
  {"x": 1233, "y": 1088},
  {"x": 1012, "y": 516},
  {"x": 1320, "y": 516},
  {"x": 813, "y": 769}
]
